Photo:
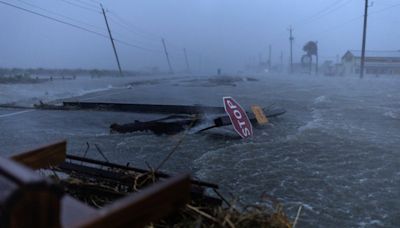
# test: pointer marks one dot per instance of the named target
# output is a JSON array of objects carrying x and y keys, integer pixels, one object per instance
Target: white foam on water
[
  {"x": 373, "y": 222},
  {"x": 58, "y": 89},
  {"x": 316, "y": 122},
  {"x": 320, "y": 99},
  {"x": 391, "y": 114}
]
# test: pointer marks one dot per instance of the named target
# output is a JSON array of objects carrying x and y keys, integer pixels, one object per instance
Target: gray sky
[{"x": 217, "y": 33}]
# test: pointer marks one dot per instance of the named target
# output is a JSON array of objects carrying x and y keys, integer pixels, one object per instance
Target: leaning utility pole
[
  {"x": 112, "y": 41},
  {"x": 269, "y": 57},
  {"x": 166, "y": 55},
  {"x": 291, "y": 38},
  {"x": 317, "y": 57},
  {"x": 364, "y": 39},
  {"x": 186, "y": 60}
]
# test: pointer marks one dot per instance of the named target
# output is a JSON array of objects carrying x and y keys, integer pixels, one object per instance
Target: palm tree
[{"x": 311, "y": 48}]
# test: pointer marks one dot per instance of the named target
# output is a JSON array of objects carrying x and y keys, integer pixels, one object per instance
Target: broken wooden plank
[
  {"x": 18, "y": 173},
  {"x": 142, "y": 108},
  {"x": 149, "y": 205},
  {"x": 26, "y": 199},
  {"x": 43, "y": 157},
  {"x": 130, "y": 168},
  {"x": 120, "y": 178}
]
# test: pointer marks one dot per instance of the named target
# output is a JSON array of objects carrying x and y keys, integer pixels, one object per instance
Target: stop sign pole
[{"x": 237, "y": 115}]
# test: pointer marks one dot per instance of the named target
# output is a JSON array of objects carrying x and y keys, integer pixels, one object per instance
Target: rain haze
[
  {"x": 225, "y": 34},
  {"x": 321, "y": 116}
]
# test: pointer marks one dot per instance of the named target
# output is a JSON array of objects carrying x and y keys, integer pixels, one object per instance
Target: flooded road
[{"x": 335, "y": 151}]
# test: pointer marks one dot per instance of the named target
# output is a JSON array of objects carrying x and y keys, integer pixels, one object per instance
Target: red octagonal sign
[{"x": 238, "y": 116}]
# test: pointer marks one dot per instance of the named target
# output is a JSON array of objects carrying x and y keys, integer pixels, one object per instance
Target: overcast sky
[{"x": 216, "y": 33}]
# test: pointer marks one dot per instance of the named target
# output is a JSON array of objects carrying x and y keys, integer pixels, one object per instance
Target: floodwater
[{"x": 335, "y": 152}]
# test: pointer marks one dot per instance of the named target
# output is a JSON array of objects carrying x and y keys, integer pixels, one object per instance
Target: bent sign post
[{"x": 239, "y": 118}]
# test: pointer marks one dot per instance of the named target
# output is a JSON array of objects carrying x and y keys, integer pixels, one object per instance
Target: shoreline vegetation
[
  {"x": 37, "y": 75},
  {"x": 19, "y": 78}
]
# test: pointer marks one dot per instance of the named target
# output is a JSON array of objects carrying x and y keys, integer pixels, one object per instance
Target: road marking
[{"x": 15, "y": 113}]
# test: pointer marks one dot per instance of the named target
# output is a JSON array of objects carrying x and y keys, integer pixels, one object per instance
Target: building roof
[{"x": 379, "y": 54}]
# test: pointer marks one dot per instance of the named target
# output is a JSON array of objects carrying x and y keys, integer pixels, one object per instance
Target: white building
[{"x": 376, "y": 62}]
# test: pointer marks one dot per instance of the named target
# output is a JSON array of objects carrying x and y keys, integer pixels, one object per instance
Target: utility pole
[
  {"x": 291, "y": 38},
  {"x": 166, "y": 55},
  {"x": 112, "y": 41},
  {"x": 316, "y": 55},
  {"x": 269, "y": 56},
  {"x": 200, "y": 63},
  {"x": 281, "y": 61},
  {"x": 364, "y": 40},
  {"x": 186, "y": 60}
]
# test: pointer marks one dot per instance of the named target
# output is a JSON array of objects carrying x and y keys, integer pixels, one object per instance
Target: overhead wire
[
  {"x": 76, "y": 26},
  {"x": 317, "y": 15},
  {"x": 60, "y": 15},
  {"x": 131, "y": 31},
  {"x": 321, "y": 12},
  {"x": 326, "y": 11},
  {"x": 338, "y": 26},
  {"x": 335, "y": 9},
  {"x": 90, "y": 5},
  {"x": 174, "y": 50},
  {"x": 354, "y": 19},
  {"x": 95, "y": 10},
  {"x": 129, "y": 26},
  {"x": 53, "y": 19},
  {"x": 385, "y": 9},
  {"x": 95, "y": 1},
  {"x": 340, "y": 4},
  {"x": 80, "y": 6}
]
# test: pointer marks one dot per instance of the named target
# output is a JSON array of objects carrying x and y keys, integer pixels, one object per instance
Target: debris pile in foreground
[{"x": 199, "y": 213}]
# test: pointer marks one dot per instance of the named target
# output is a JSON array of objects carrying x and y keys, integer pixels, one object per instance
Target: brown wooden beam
[
  {"x": 43, "y": 157},
  {"x": 149, "y": 205}
]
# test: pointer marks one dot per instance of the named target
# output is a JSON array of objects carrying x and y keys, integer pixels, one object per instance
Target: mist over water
[{"x": 335, "y": 152}]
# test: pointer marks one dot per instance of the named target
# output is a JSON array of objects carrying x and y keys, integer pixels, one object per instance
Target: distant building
[{"x": 376, "y": 62}]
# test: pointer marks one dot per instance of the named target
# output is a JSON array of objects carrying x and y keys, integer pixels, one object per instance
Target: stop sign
[{"x": 238, "y": 116}]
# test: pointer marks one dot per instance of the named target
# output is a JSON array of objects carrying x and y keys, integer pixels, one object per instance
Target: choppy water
[{"x": 335, "y": 151}]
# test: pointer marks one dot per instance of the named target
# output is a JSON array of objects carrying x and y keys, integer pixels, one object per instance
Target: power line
[
  {"x": 354, "y": 19},
  {"x": 339, "y": 26},
  {"x": 75, "y": 26},
  {"x": 96, "y": 2},
  {"x": 319, "y": 13},
  {"x": 329, "y": 10},
  {"x": 80, "y": 6},
  {"x": 138, "y": 47},
  {"x": 333, "y": 9},
  {"x": 384, "y": 9},
  {"x": 90, "y": 5},
  {"x": 123, "y": 23},
  {"x": 127, "y": 25},
  {"x": 175, "y": 50},
  {"x": 60, "y": 15},
  {"x": 126, "y": 28},
  {"x": 53, "y": 19}
]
